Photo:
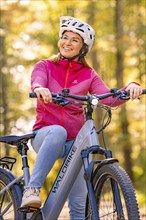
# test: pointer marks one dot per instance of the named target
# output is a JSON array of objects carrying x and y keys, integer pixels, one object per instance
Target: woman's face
[{"x": 70, "y": 44}]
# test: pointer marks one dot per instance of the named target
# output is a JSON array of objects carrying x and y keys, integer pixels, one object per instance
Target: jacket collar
[{"x": 73, "y": 64}]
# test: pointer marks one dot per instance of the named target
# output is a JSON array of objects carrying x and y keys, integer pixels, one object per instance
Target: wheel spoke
[{"x": 5, "y": 210}]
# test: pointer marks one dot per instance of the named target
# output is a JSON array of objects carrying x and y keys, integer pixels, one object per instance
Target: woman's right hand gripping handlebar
[{"x": 43, "y": 93}]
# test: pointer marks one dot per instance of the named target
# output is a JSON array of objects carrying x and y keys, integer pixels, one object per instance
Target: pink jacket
[{"x": 66, "y": 74}]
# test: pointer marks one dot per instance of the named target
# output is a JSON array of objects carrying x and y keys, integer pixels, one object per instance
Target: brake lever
[
  {"x": 59, "y": 100},
  {"x": 63, "y": 103},
  {"x": 124, "y": 95}
]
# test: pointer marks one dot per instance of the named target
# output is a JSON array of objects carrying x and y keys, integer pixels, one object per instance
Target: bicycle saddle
[{"x": 14, "y": 140}]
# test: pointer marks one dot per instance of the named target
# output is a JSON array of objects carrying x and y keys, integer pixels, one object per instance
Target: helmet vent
[
  {"x": 74, "y": 23},
  {"x": 80, "y": 29},
  {"x": 64, "y": 25},
  {"x": 81, "y": 25}
]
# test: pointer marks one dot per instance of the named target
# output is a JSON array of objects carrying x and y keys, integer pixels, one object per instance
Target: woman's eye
[
  {"x": 74, "y": 40},
  {"x": 64, "y": 37}
]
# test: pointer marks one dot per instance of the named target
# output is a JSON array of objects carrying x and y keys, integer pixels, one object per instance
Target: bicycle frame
[
  {"x": 77, "y": 157},
  {"x": 16, "y": 180},
  {"x": 71, "y": 167},
  {"x": 85, "y": 143},
  {"x": 86, "y": 138}
]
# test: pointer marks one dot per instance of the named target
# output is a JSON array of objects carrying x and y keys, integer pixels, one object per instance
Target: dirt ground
[{"x": 64, "y": 215}]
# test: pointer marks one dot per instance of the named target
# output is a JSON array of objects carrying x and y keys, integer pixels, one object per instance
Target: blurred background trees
[{"x": 29, "y": 33}]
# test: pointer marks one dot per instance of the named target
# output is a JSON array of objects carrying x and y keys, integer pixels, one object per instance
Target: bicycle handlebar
[{"x": 93, "y": 99}]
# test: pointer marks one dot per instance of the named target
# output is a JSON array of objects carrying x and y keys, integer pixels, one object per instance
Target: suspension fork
[
  {"x": 117, "y": 199},
  {"x": 116, "y": 192},
  {"x": 88, "y": 167}
]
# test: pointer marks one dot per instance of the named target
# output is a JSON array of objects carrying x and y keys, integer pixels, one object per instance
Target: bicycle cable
[{"x": 104, "y": 125}]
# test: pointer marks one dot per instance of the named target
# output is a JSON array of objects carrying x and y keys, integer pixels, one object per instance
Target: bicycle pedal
[{"x": 28, "y": 209}]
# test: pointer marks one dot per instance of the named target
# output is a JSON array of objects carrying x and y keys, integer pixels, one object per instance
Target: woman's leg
[
  {"x": 77, "y": 198},
  {"x": 78, "y": 193},
  {"x": 49, "y": 144}
]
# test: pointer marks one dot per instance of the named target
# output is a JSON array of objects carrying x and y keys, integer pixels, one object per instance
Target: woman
[{"x": 68, "y": 69}]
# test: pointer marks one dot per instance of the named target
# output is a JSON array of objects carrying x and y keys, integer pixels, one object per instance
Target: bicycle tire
[
  {"x": 104, "y": 194},
  {"x": 10, "y": 200}
]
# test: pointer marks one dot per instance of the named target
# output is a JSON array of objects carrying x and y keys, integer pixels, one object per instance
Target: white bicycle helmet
[{"x": 68, "y": 23}]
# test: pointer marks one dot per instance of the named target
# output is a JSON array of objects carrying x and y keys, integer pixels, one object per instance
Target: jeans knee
[
  {"x": 60, "y": 131},
  {"x": 58, "y": 135},
  {"x": 48, "y": 136}
]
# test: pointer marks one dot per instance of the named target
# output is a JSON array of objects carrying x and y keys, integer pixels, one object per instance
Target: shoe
[{"x": 31, "y": 198}]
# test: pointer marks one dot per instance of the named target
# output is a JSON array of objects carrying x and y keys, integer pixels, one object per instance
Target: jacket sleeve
[
  {"x": 39, "y": 75},
  {"x": 98, "y": 87}
]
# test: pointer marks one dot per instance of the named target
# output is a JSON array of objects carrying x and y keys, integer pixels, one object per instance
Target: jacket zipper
[
  {"x": 65, "y": 84},
  {"x": 67, "y": 74}
]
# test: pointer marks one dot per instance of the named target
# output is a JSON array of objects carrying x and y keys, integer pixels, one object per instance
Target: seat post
[{"x": 22, "y": 149}]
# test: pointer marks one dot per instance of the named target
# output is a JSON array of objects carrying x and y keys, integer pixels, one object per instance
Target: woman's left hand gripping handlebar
[{"x": 135, "y": 90}]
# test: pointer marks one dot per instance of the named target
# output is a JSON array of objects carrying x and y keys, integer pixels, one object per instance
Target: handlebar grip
[
  {"x": 127, "y": 93},
  {"x": 32, "y": 95}
]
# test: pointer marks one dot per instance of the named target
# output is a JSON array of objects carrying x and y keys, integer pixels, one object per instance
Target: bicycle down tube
[{"x": 71, "y": 167}]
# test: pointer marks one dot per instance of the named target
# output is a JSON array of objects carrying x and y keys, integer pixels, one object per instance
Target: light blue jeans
[{"x": 50, "y": 144}]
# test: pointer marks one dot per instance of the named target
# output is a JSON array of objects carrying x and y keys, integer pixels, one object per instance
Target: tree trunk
[
  {"x": 95, "y": 64},
  {"x": 126, "y": 144},
  {"x": 3, "y": 92}
]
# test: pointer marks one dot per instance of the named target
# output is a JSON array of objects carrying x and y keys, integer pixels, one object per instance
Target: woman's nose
[{"x": 68, "y": 42}]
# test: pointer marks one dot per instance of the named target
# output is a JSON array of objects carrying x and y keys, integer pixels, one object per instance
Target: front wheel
[
  {"x": 115, "y": 196},
  {"x": 10, "y": 199}
]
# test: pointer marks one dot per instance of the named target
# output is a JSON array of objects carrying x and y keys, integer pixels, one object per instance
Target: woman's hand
[
  {"x": 135, "y": 90},
  {"x": 43, "y": 93}
]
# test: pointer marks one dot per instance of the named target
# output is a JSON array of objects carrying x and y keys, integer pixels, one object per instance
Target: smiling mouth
[{"x": 67, "y": 49}]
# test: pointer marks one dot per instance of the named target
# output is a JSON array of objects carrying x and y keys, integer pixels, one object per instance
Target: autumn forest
[{"x": 29, "y": 33}]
